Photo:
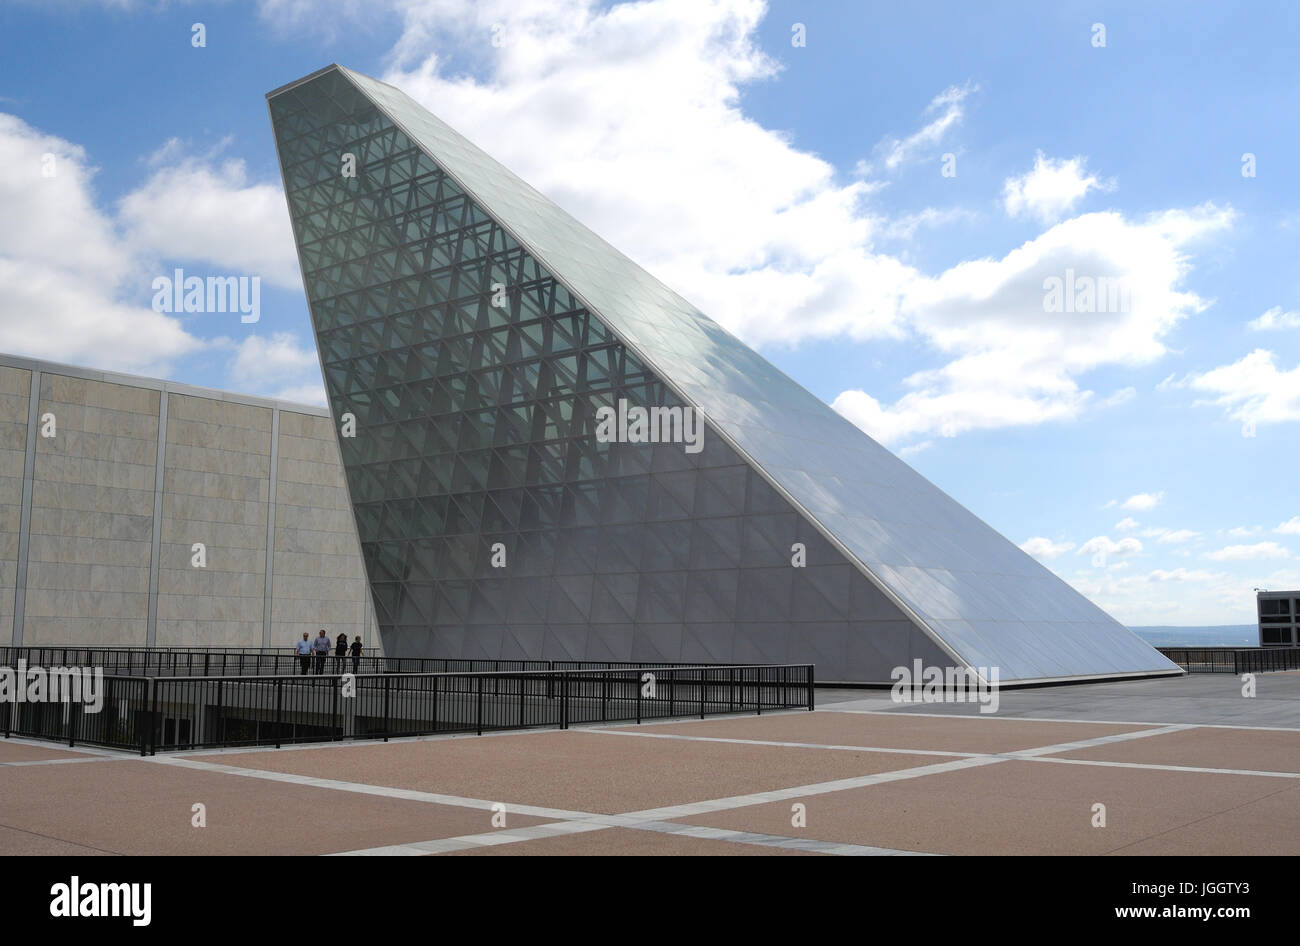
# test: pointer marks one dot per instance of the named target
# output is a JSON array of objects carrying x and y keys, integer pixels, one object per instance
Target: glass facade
[{"x": 474, "y": 330}]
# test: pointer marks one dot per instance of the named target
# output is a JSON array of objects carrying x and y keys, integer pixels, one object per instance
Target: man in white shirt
[{"x": 304, "y": 654}]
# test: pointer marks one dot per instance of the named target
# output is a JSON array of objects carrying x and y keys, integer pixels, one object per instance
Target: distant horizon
[{"x": 1198, "y": 635}]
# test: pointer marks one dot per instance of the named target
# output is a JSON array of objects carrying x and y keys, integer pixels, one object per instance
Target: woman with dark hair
[
  {"x": 341, "y": 652},
  {"x": 356, "y": 654}
]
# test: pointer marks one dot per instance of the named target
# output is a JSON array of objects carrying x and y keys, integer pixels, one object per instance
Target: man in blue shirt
[
  {"x": 321, "y": 645},
  {"x": 304, "y": 653}
]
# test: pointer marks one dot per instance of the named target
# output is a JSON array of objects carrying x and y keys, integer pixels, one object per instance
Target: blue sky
[{"x": 796, "y": 193}]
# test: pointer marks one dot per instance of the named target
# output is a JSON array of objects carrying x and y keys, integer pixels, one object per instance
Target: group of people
[{"x": 320, "y": 649}]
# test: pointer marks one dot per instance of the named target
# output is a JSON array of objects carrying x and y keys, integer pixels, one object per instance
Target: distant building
[{"x": 1279, "y": 618}]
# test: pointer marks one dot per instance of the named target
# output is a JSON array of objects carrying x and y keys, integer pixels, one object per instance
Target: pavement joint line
[
  {"x": 816, "y": 845},
  {"x": 1047, "y": 719},
  {"x": 791, "y": 745},
  {"x": 1098, "y": 741},
  {"x": 362, "y": 788},
  {"x": 466, "y": 841},
  {"x": 56, "y": 761},
  {"x": 1013, "y": 754},
  {"x": 1156, "y": 766},
  {"x": 670, "y": 812},
  {"x": 560, "y": 829}
]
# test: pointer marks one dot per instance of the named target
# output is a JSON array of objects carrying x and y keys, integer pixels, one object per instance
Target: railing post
[
  {"x": 478, "y": 713},
  {"x": 279, "y": 708},
  {"x": 334, "y": 713},
  {"x": 152, "y": 697},
  {"x": 636, "y": 682},
  {"x": 564, "y": 700},
  {"x": 522, "y": 680},
  {"x": 758, "y": 689},
  {"x": 387, "y": 686},
  {"x": 810, "y": 688},
  {"x": 701, "y": 693},
  {"x": 205, "y": 663},
  {"x": 435, "y": 704}
]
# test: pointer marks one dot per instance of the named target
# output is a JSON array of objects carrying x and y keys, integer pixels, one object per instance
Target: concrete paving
[
  {"x": 1174, "y": 772},
  {"x": 1205, "y": 699}
]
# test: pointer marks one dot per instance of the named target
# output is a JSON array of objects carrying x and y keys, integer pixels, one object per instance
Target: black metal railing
[
  {"x": 1233, "y": 659},
  {"x": 141, "y": 661},
  {"x": 117, "y": 723},
  {"x": 152, "y": 713}
]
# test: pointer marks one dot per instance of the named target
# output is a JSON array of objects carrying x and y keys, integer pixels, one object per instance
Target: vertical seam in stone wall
[
  {"x": 25, "y": 516},
  {"x": 270, "y": 529},
  {"x": 155, "y": 566}
]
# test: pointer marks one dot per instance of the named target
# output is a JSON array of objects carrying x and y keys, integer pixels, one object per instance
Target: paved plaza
[{"x": 860, "y": 776}]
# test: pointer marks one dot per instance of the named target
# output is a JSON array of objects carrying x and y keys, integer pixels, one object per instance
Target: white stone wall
[
  {"x": 319, "y": 580},
  {"x": 90, "y": 552},
  {"x": 92, "y": 513},
  {"x": 15, "y": 388},
  {"x": 216, "y": 487}
]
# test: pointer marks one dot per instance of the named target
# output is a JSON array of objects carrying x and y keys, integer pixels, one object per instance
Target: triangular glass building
[{"x": 473, "y": 330}]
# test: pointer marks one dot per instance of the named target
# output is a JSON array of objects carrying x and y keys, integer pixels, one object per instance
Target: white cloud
[
  {"x": 277, "y": 367},
  {"x": 1179, "y": 595},
  {"x": 1290, "y": 527},
  {"x": 1242, "y": 531},
  {"x": 302, "y": 394},
  {"x": 1102, "y": 548},
  {"x": 1050, "y": 190},
  {"x": 65, "y": 277},
  {"x": 1141, "y": 502},
  {"x": 912, "y": 450},
  {"x": 1252, "y": 389},
  {"x": 1275, "y": 318},
  {"x": 1044, "y": 548},
  {"x": 1013, "y": 362},
  {"x": 905, "y": 226},
  {"x": 947, "y": 108},
  {"x": 1169, "y": 536},
  {"x": 77, "y": 278},
  {"x": 194, "y": 210},
  {"x": 1126, "y": 524},
  {"x": 1122, "y": 396},
  {"x": 1244, "y": 553}
]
